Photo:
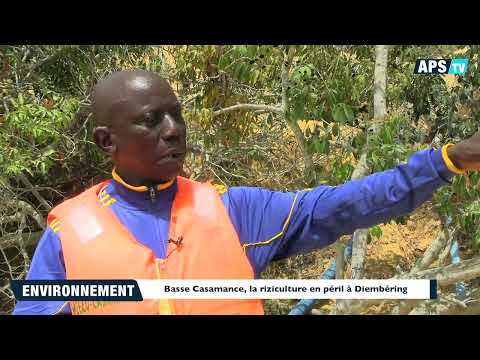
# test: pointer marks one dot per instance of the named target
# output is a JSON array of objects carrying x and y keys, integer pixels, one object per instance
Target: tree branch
[
  {"x": 340, "y": 261},
  {"x": 380, "y": 83},
  {"x": 35, "y": 193},
  {"x": 462, "y": 271},
  {"x": 445, "y": 253},
  {"x": 26, "y": 208},
  {"x": 248, "y": 107},
  {"x": 47, "y": 60},
  {"x": 449, "y": 304},
  {"x": 429, "y": 256},
  {"x": 28, "y": 239},
  {"x": 17, "y": 217},
  {"x": 433, "y": 251},
  {"x": 380, "y": 80}
]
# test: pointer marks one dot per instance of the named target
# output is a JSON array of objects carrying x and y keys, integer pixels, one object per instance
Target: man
[{"x": 148, "y": 222}]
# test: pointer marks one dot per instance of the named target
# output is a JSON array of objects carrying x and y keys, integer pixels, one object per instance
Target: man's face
[{"x": 148, "y": 131}]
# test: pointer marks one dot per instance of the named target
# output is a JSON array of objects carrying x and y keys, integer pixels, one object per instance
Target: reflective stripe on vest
[{"x": 97, "y": 246}]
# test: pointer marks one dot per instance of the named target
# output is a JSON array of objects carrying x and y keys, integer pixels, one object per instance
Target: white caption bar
[{"x": 285, "y": 289}]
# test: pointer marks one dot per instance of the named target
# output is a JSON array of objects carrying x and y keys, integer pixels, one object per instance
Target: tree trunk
[
  {"x": 360, "y": 236},
  {"x": 380, "y": 83},
  {"x": 380, "y": 111}
]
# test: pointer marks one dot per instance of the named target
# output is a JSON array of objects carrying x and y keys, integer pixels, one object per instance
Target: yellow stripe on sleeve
[{"x": 284, "y": 228}]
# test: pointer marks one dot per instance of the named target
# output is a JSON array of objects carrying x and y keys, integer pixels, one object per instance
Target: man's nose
[{"x": 170, "y": 128}]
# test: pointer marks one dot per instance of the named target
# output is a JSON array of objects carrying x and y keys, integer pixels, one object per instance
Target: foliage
[{"x": 46, "y": 125}]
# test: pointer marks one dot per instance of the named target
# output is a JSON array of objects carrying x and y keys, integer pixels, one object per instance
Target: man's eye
[{"x": 150, "y": 119}]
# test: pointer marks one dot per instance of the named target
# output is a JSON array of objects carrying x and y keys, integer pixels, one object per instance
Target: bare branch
[
  {"x": 360, "y": 236},
  {"x": 26, "y": 208},
  {"x": 6, "y": 287},
  {"x": 340, "y": 261},
  {"x": 405, "y": 307},
  {"x": 445, "y": 253},
  {"x": 227, "y": 172},
  {"x": 433, "y": 251},
  {"x": 249, "y": 107},
  {"x": 359, "y": 250},
  {"x": 380, "y": 82},
  {"x": 449, "y": 305},
  {"x": 462, "y": 271},
  {"x": 17, "y": 217},
  {"x": 48, "y": 59},
  {"x": 465, "y": 270},
  {"x": 28, "y": 239},
  {"x": 361, "y": 169},
  {"x": 35, "y": 193},
  {"x": 7, "y": 263}
]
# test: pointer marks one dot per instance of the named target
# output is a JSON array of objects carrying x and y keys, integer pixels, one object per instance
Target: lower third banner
[{"x": 137, "y": 290}]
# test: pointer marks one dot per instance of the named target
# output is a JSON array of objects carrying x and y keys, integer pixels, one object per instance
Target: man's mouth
[{"x": 172, "y": 155}]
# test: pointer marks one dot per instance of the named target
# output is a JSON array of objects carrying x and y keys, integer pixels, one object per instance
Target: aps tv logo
[{"x": 441, "y": 66}]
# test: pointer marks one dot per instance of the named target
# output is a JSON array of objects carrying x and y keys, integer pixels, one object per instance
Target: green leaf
[
  {"x": 298, "y": 110},
  {"x": 318, "y": 147},
  {"x": 322, "y": 146},
  {"x": 388, "y": 138},
  {"x": 251, "y": 50},
  {"x": 310, "y": 147},
  {"x": 376, "y": 232},
  {"x": 242, "y": 71},
  {"x": 339, "y": 114},
  {"x": 242, "y": 50},
  {"x": 348, "y": 112}
]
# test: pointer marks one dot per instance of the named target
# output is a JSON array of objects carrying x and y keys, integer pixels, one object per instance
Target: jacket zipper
[{"x": 153, "y": 194}]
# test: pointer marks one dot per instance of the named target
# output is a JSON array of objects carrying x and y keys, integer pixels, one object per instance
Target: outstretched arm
[{"x": 275, "y": 225}]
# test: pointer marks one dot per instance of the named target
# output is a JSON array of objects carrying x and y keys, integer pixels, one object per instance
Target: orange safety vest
[{"x": 97, "y": 246}]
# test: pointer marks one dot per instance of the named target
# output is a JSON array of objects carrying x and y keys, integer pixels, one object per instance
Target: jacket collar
[{"x": 140, "y": 197}]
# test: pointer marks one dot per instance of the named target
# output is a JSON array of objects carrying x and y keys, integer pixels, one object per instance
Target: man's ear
[{"x": 103, "y": 139}]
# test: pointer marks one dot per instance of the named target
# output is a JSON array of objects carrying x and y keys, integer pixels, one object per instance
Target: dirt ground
[{"x": 401, "y": 245}]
